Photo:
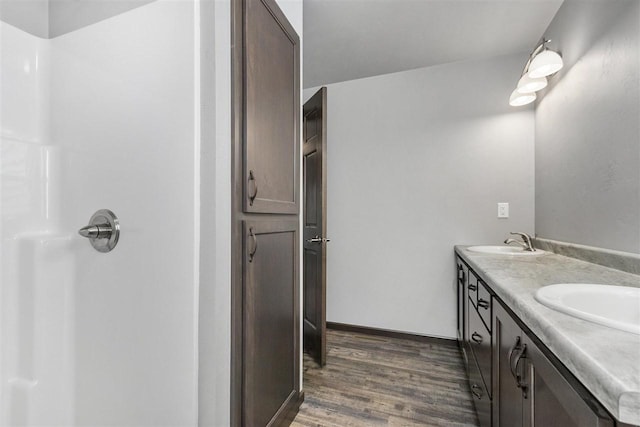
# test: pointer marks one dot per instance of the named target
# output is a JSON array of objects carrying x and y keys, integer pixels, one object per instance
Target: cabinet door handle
[
  {"x": 483, "y": 303},
  {"x": 252, "y": 195},
  {"x": 518, "y": 349},
  {"x": 476, "y": 337},
  {"x": 477, "y": 391},
  {"x": 472, "y": 287},
  {"x": 520, "y": 378},
  {"x": 254, "y": 239},
  {"x": 460, "y": 274}
]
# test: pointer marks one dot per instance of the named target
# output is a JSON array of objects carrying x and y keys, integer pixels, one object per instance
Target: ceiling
[{"x": 352, "y": 39}]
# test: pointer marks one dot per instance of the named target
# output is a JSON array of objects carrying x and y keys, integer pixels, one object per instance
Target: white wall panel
[
  {"x": 123, "y": 111},
  {"x": 417, "y": 162}
]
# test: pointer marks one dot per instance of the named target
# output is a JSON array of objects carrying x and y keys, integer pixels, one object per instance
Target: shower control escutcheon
[{"x": 103, "y": 230}]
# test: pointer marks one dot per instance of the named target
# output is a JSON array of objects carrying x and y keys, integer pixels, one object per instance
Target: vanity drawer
[
  {"x": 480, "y": 343},
  {"x": 484, "y": 304},
  {"x": 481, "y": 399},
  {"x": 472, "y": 288}
]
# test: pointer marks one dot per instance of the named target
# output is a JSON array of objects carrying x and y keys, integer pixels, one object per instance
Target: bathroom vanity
[{"x": 529, "y": 365}]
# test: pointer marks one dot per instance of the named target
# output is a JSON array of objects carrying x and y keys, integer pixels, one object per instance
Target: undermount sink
[
  {"x": 504, "y": 250},
  {"x": 614, "y": 306}
]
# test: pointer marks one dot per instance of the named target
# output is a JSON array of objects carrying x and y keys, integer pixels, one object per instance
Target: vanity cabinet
[
  {"x": 479, "y": 342},
  {"x": 529, "y": 390},
  {"x": 513, "y": 378},
  {"x": 474, "y": 337}
]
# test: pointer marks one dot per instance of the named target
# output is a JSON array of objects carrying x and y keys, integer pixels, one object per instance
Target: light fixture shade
[
  {"x": 517, "y": 99},
  {"x": 528, "y": 85},
  {"x": 544, "y": 64}
]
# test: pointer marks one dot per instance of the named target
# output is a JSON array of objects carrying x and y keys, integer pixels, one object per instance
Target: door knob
[
  {"x": 103, "y": 230},
  {"x": 318, "y": 239}
]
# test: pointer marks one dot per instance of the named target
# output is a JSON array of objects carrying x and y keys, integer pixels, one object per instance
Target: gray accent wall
[
  {"x": 588, "y": 128},
  {"x": 417, "y": 162}
]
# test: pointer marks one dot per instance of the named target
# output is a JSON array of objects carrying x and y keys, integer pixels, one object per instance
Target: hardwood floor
[{"x": 371, "y": 380}]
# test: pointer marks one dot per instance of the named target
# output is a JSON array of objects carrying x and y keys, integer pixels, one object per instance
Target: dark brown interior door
[{"x": 314, "y": 214}]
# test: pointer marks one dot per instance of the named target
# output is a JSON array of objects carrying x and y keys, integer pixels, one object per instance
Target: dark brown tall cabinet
[{"x": 265, "y": 240}]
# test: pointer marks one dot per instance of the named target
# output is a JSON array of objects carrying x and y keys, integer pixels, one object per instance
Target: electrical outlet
[{"x": 503, "y": 210}]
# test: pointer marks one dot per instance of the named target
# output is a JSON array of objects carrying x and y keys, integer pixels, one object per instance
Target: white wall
[
  {"x": 214, "y": 328},
  {"x": 124, "y": 114},
  {"x": 34, "y": 384},
  {"x": 104, "y": 117},
  {"x": 417, "y": 162},
  {"x": 588, "y": 128}
]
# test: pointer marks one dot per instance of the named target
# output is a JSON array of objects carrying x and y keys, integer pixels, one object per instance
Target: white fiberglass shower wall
[{"x": 104, "y": 116}]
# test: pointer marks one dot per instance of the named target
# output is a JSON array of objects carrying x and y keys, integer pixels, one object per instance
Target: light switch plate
[{"x": 503, "y": 210}]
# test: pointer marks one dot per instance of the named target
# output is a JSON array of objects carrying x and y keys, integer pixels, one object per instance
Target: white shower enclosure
[{"x": 103, "y": 115}]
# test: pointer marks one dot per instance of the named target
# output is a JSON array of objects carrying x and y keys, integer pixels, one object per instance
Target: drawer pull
[
  {"x": 477, "y": 391},
  {"x": 476, "y": 337},
  {"x": 483, "y": 303},
  {"x": 472, "y": 287}
]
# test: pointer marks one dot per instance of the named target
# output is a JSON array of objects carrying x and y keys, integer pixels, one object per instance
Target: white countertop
[{"x": 605, "y": 360}]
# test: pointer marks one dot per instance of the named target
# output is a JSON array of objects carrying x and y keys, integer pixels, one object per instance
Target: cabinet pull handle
[
  {"x": 460, "y": 275},
  {"x": 483, "y": 303},
  {"x": 516, "y": 347},
  {"x": 477, "y": 391},
  {"x": 254, "y": 239},
  {"x": 472, "y": 287},
  {"x": 476, "y": 337},
  {"x": 520, "y": 378},
  {"x": 252, "y": 195}
]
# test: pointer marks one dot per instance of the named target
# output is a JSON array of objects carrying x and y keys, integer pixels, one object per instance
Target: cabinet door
[
  {"x": 461, "y": 285},
  {"x": 270, "y": 329},
  {"x": 552, "y": 401},
  {"x": 480, "y": 341},
  {"x": 271, "y": 110},
  {"x": 508, "y": 344}
]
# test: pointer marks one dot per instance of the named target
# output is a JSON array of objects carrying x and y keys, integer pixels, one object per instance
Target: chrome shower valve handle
[{"x": 103, "y": 230}]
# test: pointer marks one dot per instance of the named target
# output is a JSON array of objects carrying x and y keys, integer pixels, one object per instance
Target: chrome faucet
[{"x": 525, "y": 243}]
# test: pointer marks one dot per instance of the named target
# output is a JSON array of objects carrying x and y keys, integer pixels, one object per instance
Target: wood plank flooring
[{"x": 371, "y": 381}]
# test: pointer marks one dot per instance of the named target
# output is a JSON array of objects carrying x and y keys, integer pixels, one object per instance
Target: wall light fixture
[{"x": 541, "y": 63}]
